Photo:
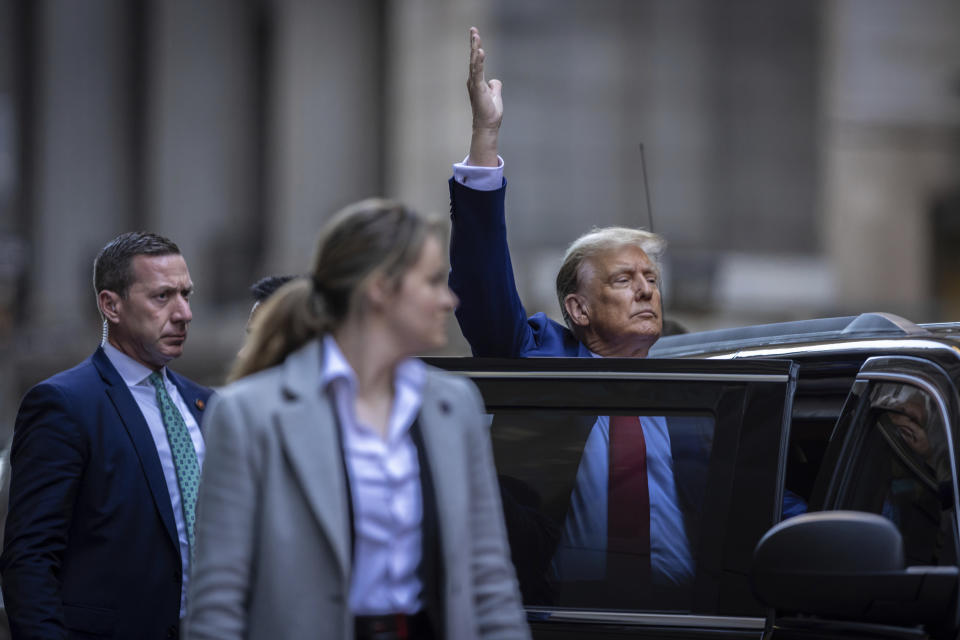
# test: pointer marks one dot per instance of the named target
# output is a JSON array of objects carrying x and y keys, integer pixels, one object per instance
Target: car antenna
[{"x": 646, "y": 186}]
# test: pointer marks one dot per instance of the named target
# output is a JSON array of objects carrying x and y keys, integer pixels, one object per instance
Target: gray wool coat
[{"x": 273, "y": 533}]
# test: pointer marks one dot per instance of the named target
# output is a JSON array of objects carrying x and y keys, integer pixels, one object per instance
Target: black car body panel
[{"x": 802, "y": 416}]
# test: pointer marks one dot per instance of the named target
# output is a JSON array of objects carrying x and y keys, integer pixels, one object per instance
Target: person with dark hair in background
[
  {"x": 349, "y": 489},
  {"x": 105, "y": 464},
  {"x": 260, "y": 291},
  {"x": 263, "y": 289}
]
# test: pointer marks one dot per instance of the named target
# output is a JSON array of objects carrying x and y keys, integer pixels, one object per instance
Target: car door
[
  {"x": 893, "y": 453},
  {"x": 720, "y": 429}
]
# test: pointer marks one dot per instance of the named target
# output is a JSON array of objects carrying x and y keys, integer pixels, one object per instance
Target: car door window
[
  {"x": 715, "y": 434},
  {"x": 604, "y": 511},
  {"x": 902, "y": 471}
]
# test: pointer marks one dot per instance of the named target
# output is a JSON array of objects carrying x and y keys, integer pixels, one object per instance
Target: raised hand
[{"x": 486, "y": 102}]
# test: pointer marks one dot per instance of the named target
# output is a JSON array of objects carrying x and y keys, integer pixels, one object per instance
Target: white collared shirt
[
  {"x": 384, "y": 476},
  {"x": 136, "y": 376}
]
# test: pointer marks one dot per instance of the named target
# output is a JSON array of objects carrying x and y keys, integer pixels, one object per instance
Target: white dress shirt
[
  {"x": 384, "y": 476},
  {"x": 136, "y": 376}
]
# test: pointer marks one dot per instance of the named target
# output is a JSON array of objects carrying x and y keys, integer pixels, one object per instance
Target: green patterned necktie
[{"x": 184, "y": 455}]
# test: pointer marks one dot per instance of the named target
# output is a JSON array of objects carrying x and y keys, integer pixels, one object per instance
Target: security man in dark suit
[{"x": 105, "y": 464}]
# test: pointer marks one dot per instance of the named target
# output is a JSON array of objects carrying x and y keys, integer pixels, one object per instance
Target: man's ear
[
  {"x": 576, "y": 308},
  {"x": 109, "y": 304}
]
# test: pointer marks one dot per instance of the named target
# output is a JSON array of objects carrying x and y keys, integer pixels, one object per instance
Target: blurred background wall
[{"x": 802, "y": 157}]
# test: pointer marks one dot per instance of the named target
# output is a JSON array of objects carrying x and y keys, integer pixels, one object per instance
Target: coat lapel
[
  {"x": 136, "y": 426},
  {"x": 442, "y": 440},
  {"x": 308, "y": 428}
]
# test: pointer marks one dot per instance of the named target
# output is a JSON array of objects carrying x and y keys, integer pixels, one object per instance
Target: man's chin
[
  {"x": 170, "y": 352},
  {"x": 649, "y": 329},
  {"x": 645, "y": 338}
]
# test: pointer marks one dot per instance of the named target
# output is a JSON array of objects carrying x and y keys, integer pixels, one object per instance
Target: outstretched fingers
[
  {"x": 476, "y": 58},
  {"x": 486, "y": 104}
]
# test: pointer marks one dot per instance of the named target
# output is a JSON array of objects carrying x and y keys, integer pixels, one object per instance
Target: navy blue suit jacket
[
  {"x": 490, "y": 313},
  {"x": 90, "y": 548}
]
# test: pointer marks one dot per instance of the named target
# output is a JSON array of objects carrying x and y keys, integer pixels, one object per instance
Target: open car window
[
  {"x": 903, "y": 472},
  {"x": 893, "y": 456},
  {"x": 565, "y": 437}
]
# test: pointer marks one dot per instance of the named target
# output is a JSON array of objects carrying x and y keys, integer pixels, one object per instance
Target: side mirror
[{"x": 849, "y": 565}]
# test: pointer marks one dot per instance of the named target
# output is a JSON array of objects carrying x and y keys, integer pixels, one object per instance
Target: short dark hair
[
  {"x": 264, "y": 287},
  {"x": 111, "y": 268}
]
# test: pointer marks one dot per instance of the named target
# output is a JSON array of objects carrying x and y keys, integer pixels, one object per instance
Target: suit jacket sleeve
[
  {"x": 47, "y": 462},
  {"x": 226, "y": 514},
  {"x": 496, "y": 595},
  {"x": 490, "y": 313}
]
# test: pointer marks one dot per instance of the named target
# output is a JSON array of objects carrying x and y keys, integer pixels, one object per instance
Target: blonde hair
[
  {"x": 373, "y": 235},
  {"x": 600, "y": 240}
]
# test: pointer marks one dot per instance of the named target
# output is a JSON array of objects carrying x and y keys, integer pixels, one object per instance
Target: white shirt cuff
[{"x": 479, "y": 178}]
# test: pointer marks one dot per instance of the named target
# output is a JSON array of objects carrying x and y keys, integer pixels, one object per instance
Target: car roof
[{"x": 829, "y": 334}]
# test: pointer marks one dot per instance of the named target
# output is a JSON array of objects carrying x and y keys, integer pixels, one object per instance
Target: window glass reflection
[
  {"x": 604, "y": 511},
  {"x": 902, "y": 472}
]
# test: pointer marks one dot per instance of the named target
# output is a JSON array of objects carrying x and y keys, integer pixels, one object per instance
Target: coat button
[{"x": 172, "y": 631}]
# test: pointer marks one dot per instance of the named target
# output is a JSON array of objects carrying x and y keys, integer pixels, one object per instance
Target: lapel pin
[{"x": 200, "y": 404}]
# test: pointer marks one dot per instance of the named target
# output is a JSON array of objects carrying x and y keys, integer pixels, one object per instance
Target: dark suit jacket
[
  {"x": 91, "y": 543},
  {"x": 490, "y": 313}
]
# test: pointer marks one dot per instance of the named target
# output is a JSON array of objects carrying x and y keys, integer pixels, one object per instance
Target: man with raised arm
[
  {"x": 608, "y": 285},
  {"x": 608, "y": 288}
]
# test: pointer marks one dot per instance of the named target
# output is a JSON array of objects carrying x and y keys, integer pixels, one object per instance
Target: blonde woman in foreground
[{"x": 349, "y": 489}]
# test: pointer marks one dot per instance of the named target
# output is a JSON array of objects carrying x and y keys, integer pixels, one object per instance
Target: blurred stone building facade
[{"x": 801, "y": 157}]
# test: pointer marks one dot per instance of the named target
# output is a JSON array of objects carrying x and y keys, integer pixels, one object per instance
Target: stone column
[
  {"x": 890, "y": 121},
  {"x": 202, "y": 181},
  {"x": 83, "y": 157},
  {"x": 428, "y": 113},
  {"x": 325, "y": 121}
]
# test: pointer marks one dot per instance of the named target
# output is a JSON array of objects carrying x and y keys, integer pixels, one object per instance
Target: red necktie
[{"x": 628, "y": 500}]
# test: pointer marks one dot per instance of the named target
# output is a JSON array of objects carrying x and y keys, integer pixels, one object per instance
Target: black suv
[{"x": 829, "y": 442}]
